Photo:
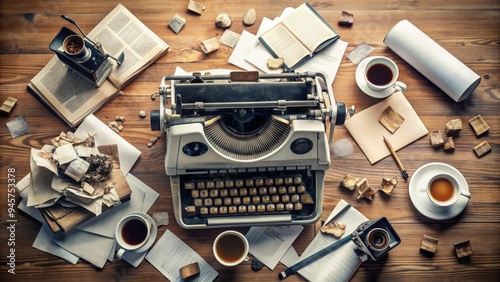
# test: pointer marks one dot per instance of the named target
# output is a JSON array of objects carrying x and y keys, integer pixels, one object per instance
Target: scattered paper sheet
[
  {"x": 270, "y": 243},
  {"x": 368, "y": 132},
  {"x": 99, "y": 231},
  {"x": 104, "y": 135},
  {"x": 170, "y": 253},
  {"x": 44, "y": 243},
  {"x": 245, "y": 44},
  {"x": 18, "y": 126},
  {"x": 290, "y": 257},
  {"x": 341, "y": 264}
]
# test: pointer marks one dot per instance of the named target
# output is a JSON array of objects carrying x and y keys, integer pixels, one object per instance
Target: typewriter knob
[
  {"x": 301, "y": 146},
  {"x": 195, "y": 149},
  {"x": 155, "y": 120}
]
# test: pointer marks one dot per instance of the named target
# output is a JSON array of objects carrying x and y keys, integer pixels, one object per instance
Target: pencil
[{"x": 396, "y": 158}]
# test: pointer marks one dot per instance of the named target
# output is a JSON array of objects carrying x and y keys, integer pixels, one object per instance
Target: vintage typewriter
[{"x": 245, "y": 149}]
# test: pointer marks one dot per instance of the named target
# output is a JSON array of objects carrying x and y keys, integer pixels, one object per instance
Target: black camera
[{"x": 374, "y": 239}]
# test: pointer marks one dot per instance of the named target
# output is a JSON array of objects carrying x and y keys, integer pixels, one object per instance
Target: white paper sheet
[
  {"x": 170, "y": 253},
  {"x": 270, "y": 243},
  {"x": 246, "y": 43},
  {"x": 104, "y": 135},
  {"x": 44, "y": 243}
]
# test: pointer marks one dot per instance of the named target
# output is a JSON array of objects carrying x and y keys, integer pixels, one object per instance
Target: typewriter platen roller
[{"x": 245, "y": 149}]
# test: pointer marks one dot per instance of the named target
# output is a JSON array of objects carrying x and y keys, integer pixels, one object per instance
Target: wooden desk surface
[{"x": 468, "y": 29}]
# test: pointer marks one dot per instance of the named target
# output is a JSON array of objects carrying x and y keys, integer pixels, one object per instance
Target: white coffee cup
[
  {"x": 443, "y": 190},
  {"x": 131, "y": 233},
  {"x": 381, "y": 73},
  {"x": 230, "y": 248}
]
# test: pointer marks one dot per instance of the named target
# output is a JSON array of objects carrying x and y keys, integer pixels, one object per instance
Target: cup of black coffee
[
  {"x": 131, "y": 233},
  {"x": 381, "y": 73},
  {"x": 230, "y": 248}
]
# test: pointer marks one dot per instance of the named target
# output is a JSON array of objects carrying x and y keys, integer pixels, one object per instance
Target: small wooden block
[
  {"x": 453, "y": 126},
  {"x": 196, "y": 7},
  {"x": 275, "y": 63},
  {"x": 449, "y": 144},
  {"x": 391, "y": 119},
  {"x": 436, "y": 138},
  {"x": 482, "y": 148},
  {"x": 8, "y": 105},
  {"x": 479, "y": 125},
  {"x": 463, "y": 249},
  {"x": 190, "y": 270},
  {"x": 429, "y": 244},
  {"x": 346, "y": 19},
  {"x": 176, "y": 23}
]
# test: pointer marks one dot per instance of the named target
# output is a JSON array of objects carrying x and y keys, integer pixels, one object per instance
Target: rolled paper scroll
[{"x": 432, "y": 61}]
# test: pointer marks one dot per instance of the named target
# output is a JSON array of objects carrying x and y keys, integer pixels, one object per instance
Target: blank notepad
[{"x": 368, "y": 132}]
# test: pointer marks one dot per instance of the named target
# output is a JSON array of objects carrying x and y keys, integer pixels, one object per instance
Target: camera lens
[{"x": 378, "y": 239}]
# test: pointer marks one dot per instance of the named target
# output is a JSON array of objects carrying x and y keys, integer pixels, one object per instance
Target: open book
[
  {"x": 72, "y": 97},
  {"x": 299, "y": 36}
]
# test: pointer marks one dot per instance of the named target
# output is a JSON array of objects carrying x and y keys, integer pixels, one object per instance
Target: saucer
[
  {"x": 152, "y": 236},
  {"x": 418, "y": 194},
  {"x": 360, "y": 80}
]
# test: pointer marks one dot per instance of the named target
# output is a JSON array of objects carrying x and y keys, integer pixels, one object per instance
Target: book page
[
  {"x": 121, "y": 31},
  {"x": 308, "y": 27},
  {"x": 67, "y": 92},
  {"x": 285, "y": 45}
]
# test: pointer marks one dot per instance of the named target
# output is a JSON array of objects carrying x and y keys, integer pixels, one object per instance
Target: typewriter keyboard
[{"x": 258, "y": 194}]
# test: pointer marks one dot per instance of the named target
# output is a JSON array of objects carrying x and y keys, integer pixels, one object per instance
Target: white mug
[
  {"x": 381, "y": 73},
  {"x": 131, "y": 233},
  {"x": 230, "y": 248},
  {"x": 443, "y": 190}
]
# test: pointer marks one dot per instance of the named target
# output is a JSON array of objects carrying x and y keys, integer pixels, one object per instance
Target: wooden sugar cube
[
  {"x": 482, "y": 148},
  {"x": 429, "y": 244},
  {"x": 436, "y": 138},
  {"x": 275, "y": 63},
  {"x": 196, "y": 7},
  {"x": 479, "y": 125},
  {"x": 449, "y": 144},
  {"x": 346, "y": 19},
  {"x": 463, "y": 249},
  {"x": 453, "y": 126},
  {"x": 176, "y": 23},
  {"x": 8, "y": 105}
]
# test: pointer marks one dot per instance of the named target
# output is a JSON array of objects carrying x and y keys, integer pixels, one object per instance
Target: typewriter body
[{"x": 245, "y": 149}]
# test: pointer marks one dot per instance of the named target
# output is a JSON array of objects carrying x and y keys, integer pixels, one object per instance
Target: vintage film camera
[
  {"x": 82, "y": 55},
  {"x": 374, "y": 239}
]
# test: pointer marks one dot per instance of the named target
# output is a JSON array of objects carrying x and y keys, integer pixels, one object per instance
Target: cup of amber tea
[
  {"x": 443, "y": 190},
  {"x": 230, "y": 248}
]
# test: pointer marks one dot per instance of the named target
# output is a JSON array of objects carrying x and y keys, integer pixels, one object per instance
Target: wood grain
[{"x": 467, "y": 29}]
